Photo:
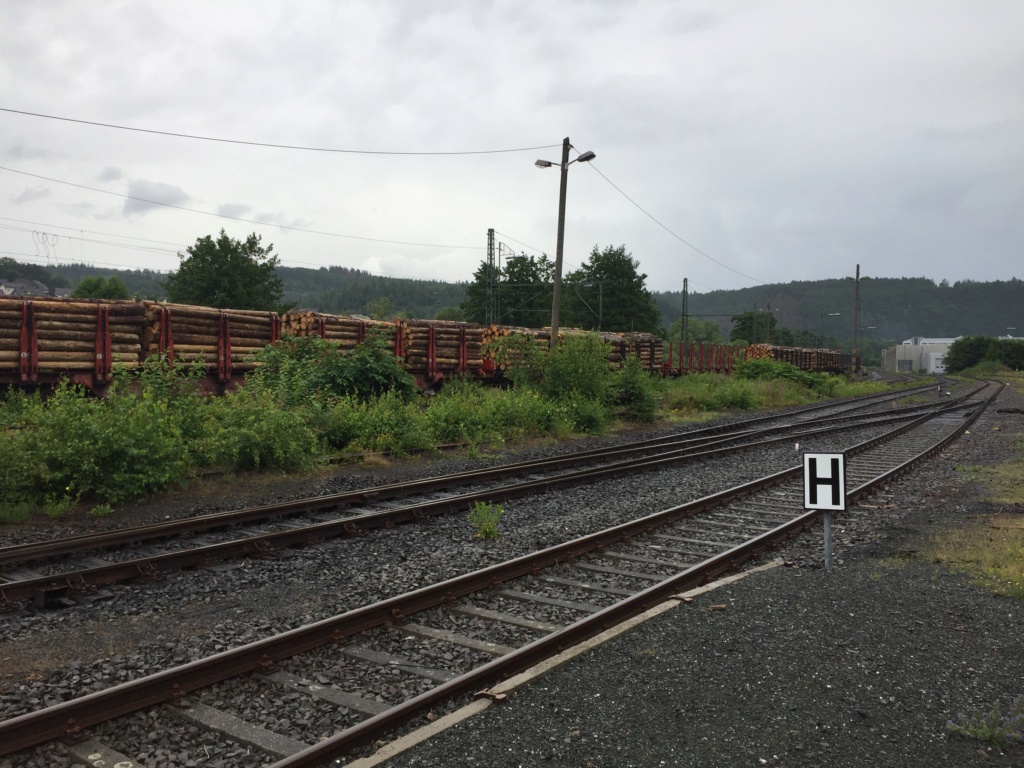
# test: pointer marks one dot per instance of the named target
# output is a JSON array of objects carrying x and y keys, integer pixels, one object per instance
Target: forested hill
[
  {"x": 337, "y": 290},
  {"x": 890, "y": 308},
  {"x": 340, "y": 290}
]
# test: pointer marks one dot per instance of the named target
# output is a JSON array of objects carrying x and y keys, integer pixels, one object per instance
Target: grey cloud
[
  {"x": 110, "y": 173},
  {"x": 934, "y": 201},
  {"x": 148, "y": 195},
  {"x": 233, "y": 210},
  {"x": 25, "y": 152},
  {"x": 281, "y": 220},
  {"x": 32, "y": 193}
]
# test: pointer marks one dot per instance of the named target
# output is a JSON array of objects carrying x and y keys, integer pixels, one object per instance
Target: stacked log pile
[
  {"x": 822, "y": 360},
  {"x": 448, "y": 337},
  {"x": 647, "y": 347},
  {"x": 10, "y": 332},
  {"x": 346, "y": 331},
  {"x": 758, "y": 351},
  {"x": 66, "y": 333},
  {"x": 196, "y": 333},
  {"x": 495, "y": 347}
]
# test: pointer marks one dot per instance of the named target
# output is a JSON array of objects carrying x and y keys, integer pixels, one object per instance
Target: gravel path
[
  {"x": 138, "y": 629},
  {"x": 860, "y": 667}
]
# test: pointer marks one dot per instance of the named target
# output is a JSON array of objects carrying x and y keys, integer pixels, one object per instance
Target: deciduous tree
[
  {"x": 609, "y": 293},
  {"x": 228, "y": 274},
  {"x": 101, "y": 288}
]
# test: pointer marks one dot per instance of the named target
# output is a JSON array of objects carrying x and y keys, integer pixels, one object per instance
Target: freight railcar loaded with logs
[{"x": 43, "y": 341}]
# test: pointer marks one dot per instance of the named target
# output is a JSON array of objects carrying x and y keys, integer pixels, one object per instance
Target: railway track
[
  {"x": 372, "y": 668},
  {"x": 88, "y": 562}
]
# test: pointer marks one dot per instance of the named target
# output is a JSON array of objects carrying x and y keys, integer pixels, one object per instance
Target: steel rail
[
  {"x": 268, "y": 544},
  {"x": 590, "y": 626},
  {"x": 69, "y": 717},
  {"x": 23, "y": 553}
]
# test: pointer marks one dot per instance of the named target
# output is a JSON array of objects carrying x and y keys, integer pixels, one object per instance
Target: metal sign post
[{"x": 825, "y": 490}]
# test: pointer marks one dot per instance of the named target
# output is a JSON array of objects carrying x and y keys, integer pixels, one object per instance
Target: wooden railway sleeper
[{"x": 50, "y": 593}]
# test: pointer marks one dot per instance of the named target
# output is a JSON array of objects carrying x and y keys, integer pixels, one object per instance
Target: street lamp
[{"x": 556, "y": 290}]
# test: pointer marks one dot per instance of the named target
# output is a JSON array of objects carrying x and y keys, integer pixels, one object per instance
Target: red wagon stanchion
[
  {"x": 463, "y": 353},
  {"x": 432, "y": 351},
  {"x": 104, "y": 353},
  {"x": 224, "y": 350},
  {"x": 165, "y": 341},
  {"x": 29, "y": 345}
]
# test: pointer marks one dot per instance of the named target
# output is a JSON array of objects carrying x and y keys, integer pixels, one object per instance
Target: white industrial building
[{"x": 918, "y": 354}]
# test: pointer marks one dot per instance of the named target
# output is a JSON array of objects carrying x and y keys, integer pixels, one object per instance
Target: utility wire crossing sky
[{"x": 737, "y": 143}]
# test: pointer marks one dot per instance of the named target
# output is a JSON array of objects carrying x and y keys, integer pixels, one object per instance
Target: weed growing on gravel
[
  {"x": 102, "y": 510},
  {"x": 991, "y": 550},
  {"x": 484, "y": 517},
  {"x": 59, "y": 504},
  {"x": 993, "y": 726}
]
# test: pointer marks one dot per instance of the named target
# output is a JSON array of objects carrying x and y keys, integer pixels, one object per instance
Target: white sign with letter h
[{"x": 825, "y": 481}]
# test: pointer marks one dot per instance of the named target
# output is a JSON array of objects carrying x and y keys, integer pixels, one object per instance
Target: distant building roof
[
  {"x": 919, "y": 340},
  {"x": 25, "y": 287}
]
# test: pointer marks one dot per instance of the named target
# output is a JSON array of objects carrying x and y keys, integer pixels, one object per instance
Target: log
[
  {"x": 59, "y": 307},
  {"x": 65, "y": 325},
  {"x": 65, "y": 345},
  {"x": 127, "y": 338},
  {"x": 184, "y": 349},
  {"x": 197, "y": 311}
]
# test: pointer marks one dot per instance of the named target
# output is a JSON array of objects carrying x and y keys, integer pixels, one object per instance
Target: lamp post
[{"x": 556, "y": 290}]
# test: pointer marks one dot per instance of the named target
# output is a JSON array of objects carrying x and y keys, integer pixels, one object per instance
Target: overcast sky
[{"x": 758, "y": 141}]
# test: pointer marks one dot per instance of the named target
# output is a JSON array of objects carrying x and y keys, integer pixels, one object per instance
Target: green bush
[
  {"x": 459, "y": 414},
  {"x": 578, "y": 365},
  {"x": 518, "y": 413},
  {"x": 301, "y": 369},
  {"x": 73, "y": 445},
  {"x": 252, "y": 430},
  {"x": 340, "y": 424},
  {"x": 581, "y": 415},
  {"x": 390, "y": 424},
  {"x": 636, "y": 391}
]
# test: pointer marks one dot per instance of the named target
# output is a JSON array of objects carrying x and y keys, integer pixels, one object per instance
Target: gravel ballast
[
  {"x": 863, "y": 666},
  {"x": 694, "y": 688}
]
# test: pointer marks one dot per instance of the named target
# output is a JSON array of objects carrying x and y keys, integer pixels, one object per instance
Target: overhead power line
[
  {"x": 269, "y": 145},
  {"x": 89, "y": 231},
  {"x": 677, "y": 237},
  {"x": 238, "y": 218}
]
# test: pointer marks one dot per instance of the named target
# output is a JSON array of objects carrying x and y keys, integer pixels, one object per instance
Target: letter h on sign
[{"x": 825, "y": 481}]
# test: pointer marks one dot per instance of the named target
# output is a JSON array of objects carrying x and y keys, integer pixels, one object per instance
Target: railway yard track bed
[{"x": 401, "y": 655}]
